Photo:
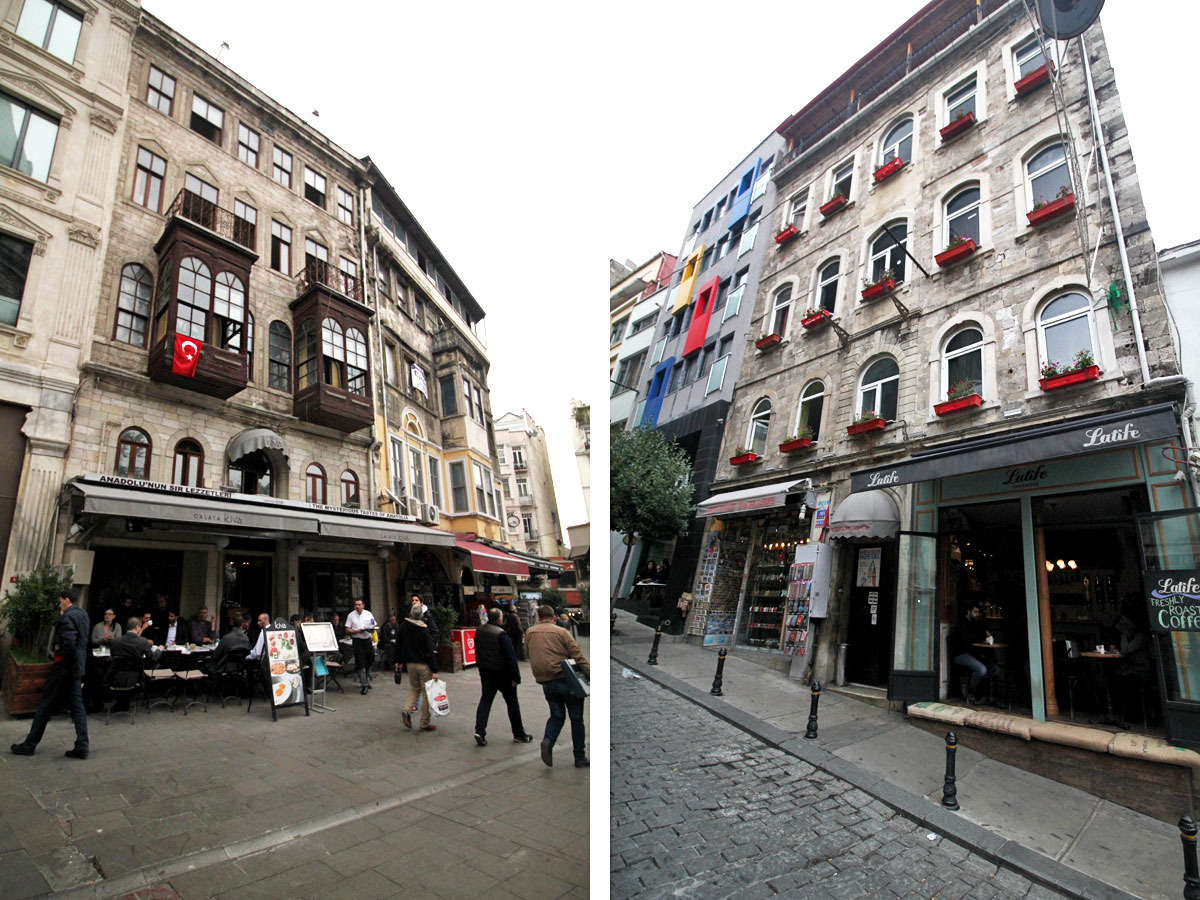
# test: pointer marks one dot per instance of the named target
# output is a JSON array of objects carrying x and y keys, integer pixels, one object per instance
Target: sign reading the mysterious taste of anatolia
[{"x": 1174, "y": 600}]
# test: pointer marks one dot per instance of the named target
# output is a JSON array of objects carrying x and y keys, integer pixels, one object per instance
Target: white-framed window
[
  {"x": 458, "y": 487},
  {"x": 734, "y": 304},
  {"x": 489, "y": 492},
  {"x": 659, "y": 349},
  {"x": 886, "y": 253},
  {"x": 416, "y": 472},
  {"x": 716, "y": 372},
  {"x": 1047, "y": 175},
  {"x": 897, "y": 142},
  {"x": 962, "y": 360},
  {"x": 960, "y": 99},
  {"x": 480, "y": 496},
  {"x": 812, "y": 403},
  {"x": 435, "y": 481},
  {"x": 749, "y": 234},
  {"x": 502, "y": 454},
  {"x": 618, "y": 330},
  {"x": 314, "y": 187},
  {"x": 1030, "y": 55},
  {"x": 962, "y": 215},
  {"x": 52, "y": 26},
  {"x": 518, "y": 454},
  {"x": 281, "y": 166},
  {"x": 208, "y": 119},
  {"x": 843, "y": 179},
  {"x": 247, "y": 148},
  {"x": 760, "y": 183},
  {"x": 345, "y": 203},
  {"x": 1066, "y": 327},
  {"x": 527, "y": 526},
  {"x": 27, "y": 142},
  {"x": 397, "y": 461},
  {"x": 160, "y": 91},
  {"x": 827, "y": 284},
  {"x": 797, "y": 208},
  {"x": 879, "y": 389},
  {"x": 522, "y": 487},
  {"x": 782, "y": 307},
  {"x": 760, "y": 424}
]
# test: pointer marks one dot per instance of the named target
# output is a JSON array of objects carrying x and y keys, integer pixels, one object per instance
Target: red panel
[{"x": 699, "y": 328}]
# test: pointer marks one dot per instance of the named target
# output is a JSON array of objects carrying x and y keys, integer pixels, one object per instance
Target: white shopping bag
[{"x": 435, "y": 693}]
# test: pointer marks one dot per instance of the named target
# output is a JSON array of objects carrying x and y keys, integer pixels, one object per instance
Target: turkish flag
[{"x": 187, "y": 354}]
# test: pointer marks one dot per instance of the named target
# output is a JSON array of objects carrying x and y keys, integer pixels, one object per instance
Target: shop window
[
  {"x": 1047, "y": 175},
  {"x": 782, "y": 307},
  {"x": 887, "y": 252},
  {"x": 247, "y": 148},
  {"x": 133, "y": 305},
  {"x": 189, "y": 464},
  {"x": 147, "y": 178},
  {"x": 27, "y": 139},
  {"x": 760, "y": 423},
  {"x": 960, "y": 100},
  {"x": 962, "y": 216},
  {"x": 314, "y": 485},
  {"x": 350, "y": 489},
  {"x": 133, "y": 454},
  {"x": 160, "y": 91},
  {"x": 208, "y": 120},
  {"x": 812, "y": 404},
  {"x": 963, "y": 361},
  {"x": 827, "y": 285},
  {"x": 458, "y": 487},
  {"x": 897, "y": 143},
  {"x": 252, "y": 474},
  {"x": 879, "y": 389},
  {"x": 1066, "y": 329},
  {"x": 279, "y": 356},
  {"x": 54, "y": 27}
]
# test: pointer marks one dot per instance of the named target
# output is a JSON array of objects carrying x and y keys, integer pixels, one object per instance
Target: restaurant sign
[{"x": 1174, "y": 600}]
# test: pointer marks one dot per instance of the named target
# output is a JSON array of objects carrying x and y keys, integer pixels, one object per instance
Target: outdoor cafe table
[
  {"x": 984, "y": 645},
  {"x": 1101, "y": 676}
]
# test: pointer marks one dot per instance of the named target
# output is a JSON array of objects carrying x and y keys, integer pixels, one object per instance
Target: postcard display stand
[
  {"x": 281, "y": 670},
  {"x": 807, "y": 588},
  {"x": 320, "y": 639}
]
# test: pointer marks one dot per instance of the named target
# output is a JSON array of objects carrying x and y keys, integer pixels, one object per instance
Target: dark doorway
[
  {"x": 248, "y": 584},
  {"x": 427, "y": 578},
  {"x": 327, "y": 587},
  {"x": 872, "y": 609}
]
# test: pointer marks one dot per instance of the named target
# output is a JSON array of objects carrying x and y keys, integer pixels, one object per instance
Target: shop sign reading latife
[{"x": 1174, "y": 600}]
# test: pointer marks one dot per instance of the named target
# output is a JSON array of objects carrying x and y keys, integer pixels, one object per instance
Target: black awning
[{"x": 1016, "y": 448}]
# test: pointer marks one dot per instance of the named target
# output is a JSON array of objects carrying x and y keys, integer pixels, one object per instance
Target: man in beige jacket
[{"x": 548, "y": 646}]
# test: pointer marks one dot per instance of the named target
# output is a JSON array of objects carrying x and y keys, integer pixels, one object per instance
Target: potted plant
[
  {"x": 742, "y": 456},
  {"x": 787, "y": 234},
  {"x": 1034, "y": 79},
  {"x": 1082, "y": 368},
  {"x": 1044, "y": 210},
  {"x": 449, "y": 654},
  {"x": 959, "y": 248},
  {"x": 814, "y": 316},
  {"x": 962, "y": 122},
  {"x": 801, "y": 440},
  {"x": 838, "y": 202},
  {"x": 30, "y": 609},
  {"x": 884, "y": 284},
  {"x": 889, "y": 168},
  {"x": 767, "y": 341},
  {"x": 961, "y": 396},
  {"x": 867, "y": 420}
]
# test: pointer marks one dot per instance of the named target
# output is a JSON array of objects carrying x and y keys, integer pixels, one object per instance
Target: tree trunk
[{"x": 616, "y": 591}]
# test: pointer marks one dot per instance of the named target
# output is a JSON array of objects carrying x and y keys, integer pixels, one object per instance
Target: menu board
[
  {"x": 283, "y": 667},
  {"x": 319, "y": 637}
]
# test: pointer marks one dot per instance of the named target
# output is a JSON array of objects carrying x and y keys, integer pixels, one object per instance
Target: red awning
[{"x": 489, "y": 559}]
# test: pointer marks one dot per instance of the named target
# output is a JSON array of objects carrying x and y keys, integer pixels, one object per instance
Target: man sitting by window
[{"x": 969, "y": 631}]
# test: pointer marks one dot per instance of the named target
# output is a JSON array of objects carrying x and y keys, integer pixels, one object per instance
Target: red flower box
[
  {"x": 957, "y": 127},
  {"x": 744, "y": 459},
  {"x": 786, "y": 235},
  {"x": 888, "y": 169},
  {"x": 814, "y": 320},
  {"x": 879, "y": 288},
  {"x": 869, "y": 425},
  {"x": 766, "y": 343},
  {"x": 833, "y": 205},
  {"x": 954, "y": 254},
  {"x": 1091, "y": 373},
  {"x": 1033, "y": 80},
  {"x": 953, "y": 406},
  {"x": 1051, "y": 210},
  {"x": 795, "y": 444}
]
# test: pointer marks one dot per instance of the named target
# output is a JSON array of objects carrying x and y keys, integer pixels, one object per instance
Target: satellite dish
[{"x": 1062, "y": 19}]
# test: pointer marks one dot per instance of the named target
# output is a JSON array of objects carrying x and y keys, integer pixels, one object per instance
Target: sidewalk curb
[{"x": 996, "y": 849}]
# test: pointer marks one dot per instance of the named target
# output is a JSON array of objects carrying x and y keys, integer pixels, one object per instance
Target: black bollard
[
  {"x": 719, "y": 680},
  {"x": 612, "y": 623},
  {"x": 653, "y": 660},
  {"x": 1191, "y": 874},
  {"x": 811, "y": 733},
  {"x": 949, "y": 791}
]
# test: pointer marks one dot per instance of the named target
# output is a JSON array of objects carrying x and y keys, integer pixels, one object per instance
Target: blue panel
[
  {"x": 658, "y": 389},
  {"x": 741, "y": 204}
]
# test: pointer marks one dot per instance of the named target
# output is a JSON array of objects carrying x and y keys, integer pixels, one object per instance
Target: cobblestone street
[{"x": 701, "y": 809}]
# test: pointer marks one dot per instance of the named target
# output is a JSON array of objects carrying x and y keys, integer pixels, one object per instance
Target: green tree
[{"x": 651, "y": 489}]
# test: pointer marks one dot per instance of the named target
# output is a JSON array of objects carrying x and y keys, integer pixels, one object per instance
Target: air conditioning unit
[
  {"x": 430, "y": 515},
  {"x": 413, "y": 507}
]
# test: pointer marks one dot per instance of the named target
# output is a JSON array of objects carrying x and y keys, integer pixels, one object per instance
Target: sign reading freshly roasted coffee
[{"x": 1174, "y": 600}]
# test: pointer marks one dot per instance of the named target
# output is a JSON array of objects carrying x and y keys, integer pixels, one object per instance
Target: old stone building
[{"x": 533, "y": 523}]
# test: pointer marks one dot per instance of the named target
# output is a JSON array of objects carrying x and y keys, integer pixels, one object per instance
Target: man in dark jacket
[
  {"x": 511, "y": 623},
  {"x": 498, "y": 671},
  {"x": 416, "y": 655},
  {"x": 970, "y": 631},
  {"x": 65, "y": 681}
]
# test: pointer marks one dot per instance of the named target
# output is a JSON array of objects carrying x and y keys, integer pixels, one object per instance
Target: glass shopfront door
[{"x": 914, "y": 670}]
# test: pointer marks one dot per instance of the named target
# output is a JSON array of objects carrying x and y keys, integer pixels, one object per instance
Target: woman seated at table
[{"x": 104, "y": 633}]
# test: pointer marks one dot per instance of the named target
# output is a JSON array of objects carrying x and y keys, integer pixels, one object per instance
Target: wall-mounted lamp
[
  {"x": 1060, "y": 564},
  {"x": 1071, "y": 564},
  {"x": 1049, "y": 566}
]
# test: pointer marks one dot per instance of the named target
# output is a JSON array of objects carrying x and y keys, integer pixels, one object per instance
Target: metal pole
[
  {"x": 811, "y": 733},
  {"x": 653, "y": 660},
  {"x": 719, "y": 679},
  {"x": 949, "y": 790},
  {"x": 1191, "y": 875},
  {"x": 612, "y": 623}
]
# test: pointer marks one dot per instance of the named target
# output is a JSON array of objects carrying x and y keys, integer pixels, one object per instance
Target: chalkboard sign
[
  {"x": 1174, "y": 600},
  {"x": 281, "y": 669}
]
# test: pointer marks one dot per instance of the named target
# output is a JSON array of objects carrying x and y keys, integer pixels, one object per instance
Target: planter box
[
  {"x": 744, "y": 459},
  {"x": 766, "y": 343},
  {"x": 1091, "y": 373},
  {"x": 1033, "y": 80},
  {"x": 786, "y": 235},
  {"x": 954, "y": 254},
  {"x": 888, "y": 169},
  {"x": 833, "y": 205},
  {"x": 952, "y": 406},
  {"x": 24, "y": 684},
  {"x": 879, "y": 289},
  {"x": 450, "y": 657},
  {"x": 795, "y": 444},
  {"x": 869, "y": 425},
  {"x": 1052, "y": 210},
  {"x": 815, "y": 320},
  {"x": 957, "y": 127}
]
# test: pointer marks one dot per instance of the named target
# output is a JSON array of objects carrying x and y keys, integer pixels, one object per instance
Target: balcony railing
[
  {"x": 319, "y": 272},
  {"x": 207, "y": 214}
]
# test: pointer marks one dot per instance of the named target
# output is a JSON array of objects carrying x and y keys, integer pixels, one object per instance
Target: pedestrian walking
[
  {"x": 417, "y": 656},
  {"x": 498, "y": 672},
  {"x": 65, "y": 682},
  {"x": 511, "y": 623},
  {"x": 359, "y": 625},
  {"x": 549, "y": 645}
]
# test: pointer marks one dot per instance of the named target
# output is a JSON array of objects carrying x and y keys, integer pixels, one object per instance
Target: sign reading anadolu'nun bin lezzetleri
[{"x": 1174, "y": 600}]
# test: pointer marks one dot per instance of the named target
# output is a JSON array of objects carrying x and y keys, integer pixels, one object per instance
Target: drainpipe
[{"x": 362, "y": 238}]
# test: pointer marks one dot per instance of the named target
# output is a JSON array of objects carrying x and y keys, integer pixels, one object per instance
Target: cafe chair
[
  {"x": 334, "y": 665},
  {"x": 229, "y": 681},
  {"x": 160, "y": 680},
  {"x": 125, "y": 679},
  {"x": 187, "y": 676}
]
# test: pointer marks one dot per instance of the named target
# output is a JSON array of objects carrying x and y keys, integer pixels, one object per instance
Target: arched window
[
  {"x": 812, "y": 403},
  {"x": 280, "y": 357},
  {"x": 783, "y": 306},
  {"x": 898, "y": 142},
  {"x": 194, "y": 295},
  {"x": 133, "y": 305},
  {"x": 886, "y": 253},
  {"x": 356, "y": 362},
  {"x": 189, "y": 464},
  {"x": 962, "y": 362},
  {"x": 333, "y": 352},
  {"x": 879, "y": 389},
  {"x": 229, "y": 309},
  {"x": 252, "y": 474},
  {"x": 1047, "y": 175},
  {"x": 827, "y": 285},
  {"x": 314, "y": 484},
  {"x": 1065, "y": 329},
  {"x": 133, "y": 454},
  {"x": 962, "y": 215},
  {"x": 306, "y": 355},
  {"x": 349, "y": 489},
  {"x": 760, "y": 422}
]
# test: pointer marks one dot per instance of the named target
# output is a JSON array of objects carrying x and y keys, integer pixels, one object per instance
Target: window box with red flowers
[
  {"x": 1034, "y": 80},
  {"x": 838, "y": 202},
  {"x": 883, "y": 285},
  {"x": 962, "y": 396},
  {"x": 888, "y": 169},
  {"x": 743, "y": 457},
  {"x": 767, "y": 341},
  {"x": 1083, "y": 368},
  {"x": 802, "y": 440},
  {"x": 814, "y": 318},
  {"x": 868, "y": 420},
  {"x": 958, "y": 249},
  {"x": 1044, "y": 211},
  {"x": 787, "y": 234},
  {"x": 958, "y": 126}
]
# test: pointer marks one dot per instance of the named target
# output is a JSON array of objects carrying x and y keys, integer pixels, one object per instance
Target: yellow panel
[{"x": 691, "y": 269}]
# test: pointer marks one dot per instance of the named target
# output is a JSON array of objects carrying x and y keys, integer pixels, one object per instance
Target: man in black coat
[
  {"x": 65, "y": 681},
  {"x": 416, "y": 655},
  {"x": 498, "y": 671}
]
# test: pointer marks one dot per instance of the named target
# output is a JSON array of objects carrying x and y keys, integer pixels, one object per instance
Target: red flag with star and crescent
[{"x": 187, "y": 354}]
